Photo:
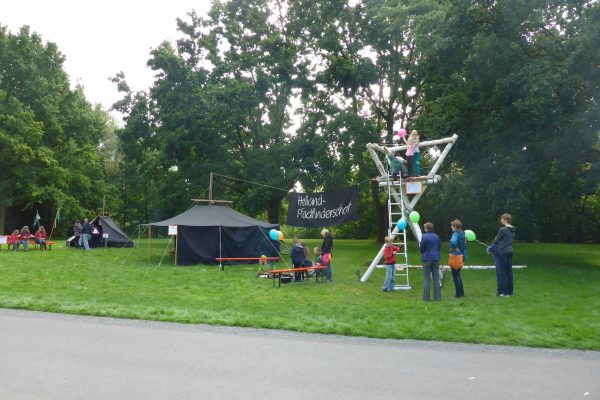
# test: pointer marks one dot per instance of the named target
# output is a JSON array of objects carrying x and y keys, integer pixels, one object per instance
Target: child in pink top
[{"x": 412, "y": 146}]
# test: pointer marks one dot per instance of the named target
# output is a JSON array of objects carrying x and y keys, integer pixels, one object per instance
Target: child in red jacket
[
  {"x": 389, "y": 252},
  {"x": 40, "y": 237},
  {"x": 14, "y": 240}
]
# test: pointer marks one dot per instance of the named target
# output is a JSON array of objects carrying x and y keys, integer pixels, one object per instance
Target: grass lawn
[{"x": 556, "y": 302}]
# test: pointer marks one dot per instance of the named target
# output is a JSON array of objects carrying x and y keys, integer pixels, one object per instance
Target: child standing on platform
[
  {"x": 390, "y": 265},
  {"x": 417, "y": 138},
  {"x": 412, "y": 152}
]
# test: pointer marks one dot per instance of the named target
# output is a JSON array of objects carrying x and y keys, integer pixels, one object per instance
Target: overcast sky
[{"x": 101, "y": 38}]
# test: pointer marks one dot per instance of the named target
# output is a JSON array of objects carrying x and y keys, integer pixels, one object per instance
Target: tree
[
  {"x": 49, "y": 134},
  {"x": 518, "y": 82}
]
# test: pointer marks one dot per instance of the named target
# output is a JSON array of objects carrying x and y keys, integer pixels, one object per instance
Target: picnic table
[{"x": 278, "y": 272}]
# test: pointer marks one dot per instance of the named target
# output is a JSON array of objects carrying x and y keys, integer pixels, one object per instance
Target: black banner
[{"x": 322, "y": 209}]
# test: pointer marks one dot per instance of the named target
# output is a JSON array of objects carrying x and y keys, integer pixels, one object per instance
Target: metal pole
[
  {"x": 220, "y": 255},
  {"x": 149, "y": 246},
  {"x": 210, "y": 184},
  {"x": 176, "y": 241}
]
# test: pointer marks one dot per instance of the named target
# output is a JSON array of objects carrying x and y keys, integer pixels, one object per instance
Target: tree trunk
[
  {"x": 381, "y": 211},
  {"x": 2, "y": 217},
  {"x": 273, "y": 211}
]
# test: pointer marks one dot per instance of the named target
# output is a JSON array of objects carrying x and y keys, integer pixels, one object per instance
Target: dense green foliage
[
  {"x": 50, "y": 136},
  {"x": 283, "y": 91},
  {"x": 552, "y": 307}
]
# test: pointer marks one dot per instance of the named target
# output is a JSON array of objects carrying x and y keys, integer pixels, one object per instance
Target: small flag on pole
[
  {"x": 36, "y": 220},
  {"x": 57, "y": 218}
]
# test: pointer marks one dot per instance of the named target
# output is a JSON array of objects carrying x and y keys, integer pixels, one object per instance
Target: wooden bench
[
  {"x": 37, "y": 245},
  {"x": 278, "y": 272}
]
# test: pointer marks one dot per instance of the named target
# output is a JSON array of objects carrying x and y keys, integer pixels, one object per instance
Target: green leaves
[{"x": 49, "y": 134}]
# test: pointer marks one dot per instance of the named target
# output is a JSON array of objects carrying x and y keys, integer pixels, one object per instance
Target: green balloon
[
  {"x": 470, "y": 235},
  {"x": 414, "y": 217}
]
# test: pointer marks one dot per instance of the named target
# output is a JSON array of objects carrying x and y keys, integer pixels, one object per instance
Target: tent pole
[
  {"x": 220, "y": 255},
  {"x": 149, "y": 234},
  {"x": 176, "y": 240},
  {"x": 210, "y": 182}
]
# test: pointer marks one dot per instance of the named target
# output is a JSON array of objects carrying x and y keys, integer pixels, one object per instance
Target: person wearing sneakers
[
  {"x": 389, "y": 252},
  {"x": 504, "y": 240}
]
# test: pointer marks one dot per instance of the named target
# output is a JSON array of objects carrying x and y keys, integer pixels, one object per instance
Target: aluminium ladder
[{"x": 396, "y": 211}]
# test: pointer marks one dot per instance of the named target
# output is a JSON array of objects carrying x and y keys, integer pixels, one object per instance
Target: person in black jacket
[
  {"x": 326, "y": 251},
  {"x": 298, "y": 258},
  {"x": 504, "y": 240}
]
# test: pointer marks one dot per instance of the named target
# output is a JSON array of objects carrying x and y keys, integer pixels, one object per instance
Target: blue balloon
[
  {"x": 274, "y": 234},
  {"x": 401, "y": 225}
]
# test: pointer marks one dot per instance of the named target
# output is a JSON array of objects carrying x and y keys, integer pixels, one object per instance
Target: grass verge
[{"x": 555, "y": 303}]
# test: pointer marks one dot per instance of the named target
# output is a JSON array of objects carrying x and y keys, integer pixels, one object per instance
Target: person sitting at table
[
  {"x": 14, "y": 240},
  {"x": 24, "y": 236},
  {"x": 40, "y": 237}
]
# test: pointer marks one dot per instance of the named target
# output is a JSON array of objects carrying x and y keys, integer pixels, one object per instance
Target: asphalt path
[{"x": 55, "y": 356}]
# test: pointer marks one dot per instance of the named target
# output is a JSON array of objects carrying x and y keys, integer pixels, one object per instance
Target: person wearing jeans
[
  {"x": 86, "y": 234},
  {"x": 504, "y": 240},
  {"x": 24, "y": 236},
  {"x": 430, "y": 247},
  {"x": 389, "y": 252}
]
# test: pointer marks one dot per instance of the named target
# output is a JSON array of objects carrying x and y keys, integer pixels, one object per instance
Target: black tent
[
  {"x": 116, "y": 237},
  {"x": 205, "y": 233}
]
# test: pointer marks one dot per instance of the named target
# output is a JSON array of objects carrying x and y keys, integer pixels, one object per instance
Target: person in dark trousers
[
  {"x": 504, "y": 240},
  {"x": 493, "y": 250},
  {"x": 298, "y": 258},
  {"x": 458, "y": 245},
  {"x": 86, "y": 234},
  {"x": 430, "y": 247},
  {"x": 326, "y": 250}
]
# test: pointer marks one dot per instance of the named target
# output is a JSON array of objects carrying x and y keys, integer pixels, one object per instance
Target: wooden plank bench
[
  {"x": 37, "y": 245},
  {"x": 278, "y": 272}
]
